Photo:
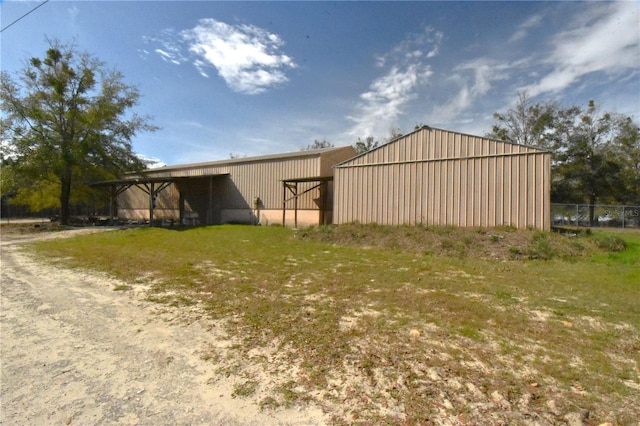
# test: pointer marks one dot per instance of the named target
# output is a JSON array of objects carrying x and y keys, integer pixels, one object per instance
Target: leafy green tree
[
  {"x": 366, "y": 145},
  {"x": 526, "y": 123},
  {"x": 66, "y": 123},
  {"x": 595, "y": 156},
  {"x": 317, "y": 144},
  {"x": 627, "y": 146},
  {"x": 590, "y": 164}
]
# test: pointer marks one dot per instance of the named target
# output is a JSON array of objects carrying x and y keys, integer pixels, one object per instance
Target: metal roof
[
  {"x": 222, "y": 163},
  {"x": 140, "y": 180}
]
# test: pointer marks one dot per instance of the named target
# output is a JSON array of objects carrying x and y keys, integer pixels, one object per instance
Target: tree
[
  {"x": 526, "y": 123},
  {"x": 318, "y": 145},
  {"x": 366, "y": 145},
  {"x": 68, "y": 123},
  {"x": 595, "y": 156},
  {"x": 587, "y": 166},
  {"x": 627, "y": 146}
]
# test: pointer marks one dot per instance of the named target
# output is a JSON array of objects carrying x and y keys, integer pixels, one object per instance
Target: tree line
[
  {"x": 68, "y": 122},
  {"x": 595, "y": 154}
]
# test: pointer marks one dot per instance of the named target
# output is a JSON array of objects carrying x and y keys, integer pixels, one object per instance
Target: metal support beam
[
  {"x": 292, "y": 186},
  {"x": 153, "y": 192}
]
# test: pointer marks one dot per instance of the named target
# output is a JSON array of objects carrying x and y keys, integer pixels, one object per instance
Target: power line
[{"x": 29, "y": 12}]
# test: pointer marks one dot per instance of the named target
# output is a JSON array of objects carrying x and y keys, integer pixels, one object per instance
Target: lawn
[{"x": 389, "y": 325}]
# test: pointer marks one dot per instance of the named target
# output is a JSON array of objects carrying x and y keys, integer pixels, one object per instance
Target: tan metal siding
[
  {"x": 445, "y": 178},
  {"x": 232, "y": 198}
]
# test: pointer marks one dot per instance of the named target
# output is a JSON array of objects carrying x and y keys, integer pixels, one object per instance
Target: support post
[
  {"x": 284, "y": 202},
  {"x": 210, "y": 207},
  {"x": 324, "y": 190},
  {"x": 112, "y": 196},
  {"x": 181, "y": 208},
  {"x": 295, "y": 214},
  {"x": 152, "y": 194}
]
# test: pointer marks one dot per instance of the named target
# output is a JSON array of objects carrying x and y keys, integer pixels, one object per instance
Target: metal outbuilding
[
  {"x": 438, "y": 177},
  {"x": 291, "y": 188}
]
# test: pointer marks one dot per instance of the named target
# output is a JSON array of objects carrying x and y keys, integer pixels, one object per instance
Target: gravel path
[{"x": 74, "y": 351}]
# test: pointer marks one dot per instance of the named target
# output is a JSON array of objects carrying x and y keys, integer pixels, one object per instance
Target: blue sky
[{"x": 254, "y": 78}]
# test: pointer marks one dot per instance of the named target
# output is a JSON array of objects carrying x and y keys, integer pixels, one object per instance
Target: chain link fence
[
  {"x": 598, "y": 215},
  {"x": 78, "y": 213}
]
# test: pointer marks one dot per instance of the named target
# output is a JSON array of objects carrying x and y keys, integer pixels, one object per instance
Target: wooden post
[
  {"x": 181, "y": 208},
  {"x": 324, "y": 190},
  {"x": 152, "y": 193},
  {"x": 284, "y": 201},
  {"x": 295, "y": 217},
  {"x": 112, "y": 196}
]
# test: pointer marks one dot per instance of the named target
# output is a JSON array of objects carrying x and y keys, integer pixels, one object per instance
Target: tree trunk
[{"x": 65, "y": 195}]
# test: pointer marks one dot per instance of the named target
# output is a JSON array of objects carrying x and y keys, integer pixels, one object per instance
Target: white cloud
[
  {"x": 523, "y": 29},
  {"x": 171, "y": 50},
  {"x": 605, "y": 38},
  {"x": 167, "y": 57},
  {"x": 152, "y": 162},
  {"x": 73, "y": 12},
  {"x": 383, "y": 104},
  {"x": 472, "y": 79},
  {"x": 248, "y": 58}
]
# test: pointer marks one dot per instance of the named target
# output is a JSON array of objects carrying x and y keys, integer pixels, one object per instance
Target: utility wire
[{"x": 29, "y": 12}]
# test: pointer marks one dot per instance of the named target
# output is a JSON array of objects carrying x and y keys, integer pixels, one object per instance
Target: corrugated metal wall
[
  {"x": 437, "y": 177},
  {"x": 231, "y": 198}
]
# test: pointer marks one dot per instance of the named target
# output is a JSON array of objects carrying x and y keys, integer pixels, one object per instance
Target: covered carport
[{"x": 152, "y": 187}]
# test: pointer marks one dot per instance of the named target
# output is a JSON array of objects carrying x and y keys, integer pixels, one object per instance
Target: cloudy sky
[{"x": 257, "y": 78}]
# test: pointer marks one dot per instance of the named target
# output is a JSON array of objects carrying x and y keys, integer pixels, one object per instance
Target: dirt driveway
[{"x": 74, "y": 351}]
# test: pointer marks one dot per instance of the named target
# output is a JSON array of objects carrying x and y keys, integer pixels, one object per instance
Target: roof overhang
[
  {"x": 142, "y": 180},
  {"x": 309, "y": 179}
]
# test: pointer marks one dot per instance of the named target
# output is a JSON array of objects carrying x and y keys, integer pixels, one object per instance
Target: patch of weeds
[
  {"x": 540, "y": 247},
  {"x": 229, "y": 371},
  {"x": 162, "y": 299},
  {"x": 290, "y": 395},
  {"x": 504, "y": 295},
  {"x": 442, "y": 230},
  {"x": 245, "y": 389},
  {"x": 468, "y": 240},
  {"x": 611, "y": 243},
  {"x": 471, "y": 333},
  {"x": 121, "y": 287},
  {"x": 182, "y": 300},
  {"x": 211, "y": 356},
  {"x": 447, "y": 245},
  {"x": 269, "y": 403},
  {"x": 515, "y": 252}
]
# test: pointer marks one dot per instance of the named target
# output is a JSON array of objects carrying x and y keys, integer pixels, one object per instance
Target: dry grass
[{"x": 412, "y": 325}]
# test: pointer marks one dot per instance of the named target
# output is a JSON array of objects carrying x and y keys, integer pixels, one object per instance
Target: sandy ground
[{"x": 74, "y": 351}]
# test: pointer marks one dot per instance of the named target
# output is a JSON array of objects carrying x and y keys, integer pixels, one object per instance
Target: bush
[
  {"x": 540, "y": 247},
  {"x": 611, "y": 243}
]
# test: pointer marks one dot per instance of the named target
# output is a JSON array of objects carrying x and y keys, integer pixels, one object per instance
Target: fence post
[
  {"x": 577, "y": 212},
  {"x": 623, "y": 216}
]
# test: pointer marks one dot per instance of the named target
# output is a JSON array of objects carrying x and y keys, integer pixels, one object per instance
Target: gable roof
[{"x": 438, "y": 144}]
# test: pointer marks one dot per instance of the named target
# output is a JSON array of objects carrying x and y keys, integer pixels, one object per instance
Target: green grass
[{"x": 498, "y": 309}]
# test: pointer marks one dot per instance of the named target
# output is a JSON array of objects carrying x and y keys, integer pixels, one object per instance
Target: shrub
[
  {"x": 540, "y": 247},
  {"x": 611, "y": 243}
]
